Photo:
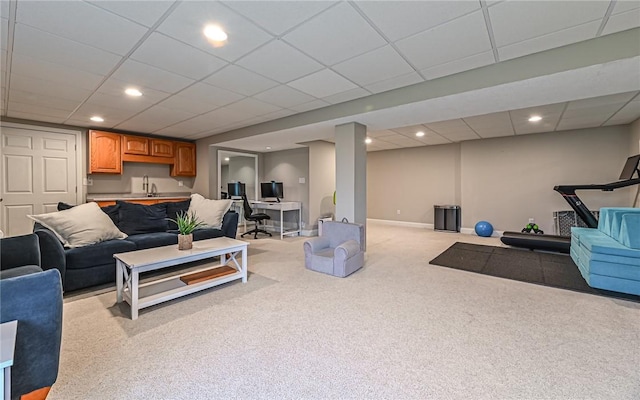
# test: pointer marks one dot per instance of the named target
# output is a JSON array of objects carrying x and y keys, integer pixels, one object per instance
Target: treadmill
[{"x": 562, "y": 244}]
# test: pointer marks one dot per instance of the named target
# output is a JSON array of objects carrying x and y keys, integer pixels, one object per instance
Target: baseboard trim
[{"x": 466, "y": 231}]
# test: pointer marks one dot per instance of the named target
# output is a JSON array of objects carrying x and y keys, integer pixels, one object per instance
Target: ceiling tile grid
[
  {"x": 285, "y": 57},
  {"x": 335, "y": 35}
]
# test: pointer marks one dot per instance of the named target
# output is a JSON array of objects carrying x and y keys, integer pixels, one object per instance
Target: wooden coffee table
[{"x": 129, "y": 266}]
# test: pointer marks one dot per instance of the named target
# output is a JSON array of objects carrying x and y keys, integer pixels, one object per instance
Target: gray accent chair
[
  {"x": 339, "y": 251},
  {"x": 33, "y": 298}
]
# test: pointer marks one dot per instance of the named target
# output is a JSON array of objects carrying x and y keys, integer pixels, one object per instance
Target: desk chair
[{"x": 257, "y": 218}]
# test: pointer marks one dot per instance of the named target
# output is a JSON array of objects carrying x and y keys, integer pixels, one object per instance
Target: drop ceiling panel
[
  {"x": 379, "y": 134},
  {"x": 394, "y": 83},
  {"x": 188, "y": 20},
  {"x": 211, "y": 95},
  {"x": 322, "y": 84},
  {"x": 411, "y": 130},
  {"x": 251, "y": 107},
  {"x": 35, "y": 117},
  {"x": 47, "y": 88},
  {"x": 432, "y": 139},
  {"x": 111, "y": 116},
  {"x": 114, "y": 89},
  {"x": 56, "y": 50},
  {"x": 460, "y": 38},
  {"x": 43, "y": 100},
  {"x": 284, "y": 96},
  {"x": 141, "y": 74},
  {"x": 614, "y": 99},
  {"x": 184, "y": 103},
  {"x": 240, "y": 80},
  {"x": 4, "y": 33},
  {"x": 400, "y": 141},
  {"x": 455, "y": 130},
  {"x": 155, "y": 118},
  {"x": 40, "y": 110},
  {"x": 278, "y": 17},
  {"x": 622, "y": 21},
  {"x": 189, "y": 127},
  {"x": 92, "y": 25},
  {"x": 280, "y": 62},
  {"x": 582, "y": 122},
  {"x": 344, "y": 34},
  {"x": 374, "y": 66},
  {"x": 515, "y": 21},
  {"x": 549, "y": 41},
  {"x": 399, "y": 19},
  {"x": 459, "y": 65},
  {"x": 145, "y": 13},
  {"x": 347, "y": 95},
  {"x": 491, "y": 125},
  {"x": 30, "y": 67},
  {"x": 4, "y": 9},
  {"x": 627, "y": 114},
  {"x": 177, "y": 57},
  {"x": 550, "y": 116}
]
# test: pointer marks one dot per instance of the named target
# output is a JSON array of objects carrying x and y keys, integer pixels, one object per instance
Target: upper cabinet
[
  {"x": 135, "y": 145},
  {"x": 185, "y": 161},
  {"x": 162, "y": 148},
  {"x": 108, "y": 150},
  {"x": 104, "y": 152}
]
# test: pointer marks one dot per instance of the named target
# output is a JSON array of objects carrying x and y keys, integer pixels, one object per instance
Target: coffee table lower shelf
[{"x": 156, "y": 292}]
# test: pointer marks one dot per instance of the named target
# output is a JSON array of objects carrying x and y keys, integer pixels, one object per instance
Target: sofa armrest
[
  {"x": 51, "y": 251},
  {"x": 315, "y": 244},
  {"x": 230, "y": 224},
  {"x": 35, "y": 301},
  {"x": 346, "y": 250},
  {"x": 18, "y": 251}
]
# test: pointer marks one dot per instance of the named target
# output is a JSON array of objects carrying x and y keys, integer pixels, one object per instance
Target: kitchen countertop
[{"x": 135, "y": 196}]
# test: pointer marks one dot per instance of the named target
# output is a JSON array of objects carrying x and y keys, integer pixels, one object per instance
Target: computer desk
[{"x": 283, "y": 206}]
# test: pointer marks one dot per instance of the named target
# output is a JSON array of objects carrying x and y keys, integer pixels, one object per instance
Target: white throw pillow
[
  {"x": 81, "y": 225},
  {"x": 210, "y": 212}
]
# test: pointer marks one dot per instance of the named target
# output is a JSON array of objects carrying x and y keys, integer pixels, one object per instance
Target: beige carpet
[{"x": 397, "y": 329}]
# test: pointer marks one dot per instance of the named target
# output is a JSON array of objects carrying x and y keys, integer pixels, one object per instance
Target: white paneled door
[{"x": 38, "y": 170}]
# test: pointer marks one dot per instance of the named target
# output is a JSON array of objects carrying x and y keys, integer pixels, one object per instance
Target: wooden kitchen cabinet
[
  {"x": 185, "y": 159},
  {"x": 162, "y": 148},
  {"x": 135, "y": 145},
  {"x": 104, "y": 152}
]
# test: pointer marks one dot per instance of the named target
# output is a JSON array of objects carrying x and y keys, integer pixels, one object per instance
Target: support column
[{"x": 351, "y": 172}]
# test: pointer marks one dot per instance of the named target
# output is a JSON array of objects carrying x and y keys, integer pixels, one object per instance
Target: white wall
[
  {"x": 503, "y": 180},
  {"x": 287, "y": 167},
  {"x": 131, "y": 180},
  {"x": 412, "y": 181}
]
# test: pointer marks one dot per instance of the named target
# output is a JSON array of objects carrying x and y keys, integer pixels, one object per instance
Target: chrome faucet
[{"x": 145, "y": 184}]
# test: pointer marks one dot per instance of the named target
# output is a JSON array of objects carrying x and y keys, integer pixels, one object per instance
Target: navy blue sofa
[{"x": 147, "y": 227}]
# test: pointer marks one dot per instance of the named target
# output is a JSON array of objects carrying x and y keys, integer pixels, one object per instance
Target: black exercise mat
[{"x": 547, "y": 269}]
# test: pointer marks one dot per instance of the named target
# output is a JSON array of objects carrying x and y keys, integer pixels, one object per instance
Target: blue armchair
[{"x": 33, "y": 298}]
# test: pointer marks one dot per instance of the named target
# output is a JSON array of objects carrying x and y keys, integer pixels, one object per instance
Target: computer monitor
[
  {"x": 235, "y": 189},
  {"x": 630, "y": 168},
  {"x": 271, "y": 189}
]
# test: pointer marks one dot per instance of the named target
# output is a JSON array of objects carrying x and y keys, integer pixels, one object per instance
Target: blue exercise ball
[{"x": 484, "y": 229}]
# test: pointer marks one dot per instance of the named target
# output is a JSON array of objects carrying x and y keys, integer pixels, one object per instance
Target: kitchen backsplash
[{"x": 131, "y": 180}]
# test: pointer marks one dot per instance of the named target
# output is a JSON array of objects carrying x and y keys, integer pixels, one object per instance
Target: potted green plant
[{"x": 187, "y": 222}]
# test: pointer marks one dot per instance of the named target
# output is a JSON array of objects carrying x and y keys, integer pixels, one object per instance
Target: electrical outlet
[
  {"x": 398, "y": 212},
  {"x": 180, "y": 183},
  {"x": 87, "y": 181},
  {"x": 532, "y": 220}
]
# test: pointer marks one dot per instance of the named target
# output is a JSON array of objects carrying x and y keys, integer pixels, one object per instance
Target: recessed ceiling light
[
  {"x": 420, "y": 134},
  {"x": 97, "y": 119},
  {"x": 216, "y": 35},
  {"x": 368, "y": 140},
  {"x": 535, "y": 118},
  {"x": 268, "y": 147},
  {"x": 133, "y": 92},
  {"x": 226, "y": 158}
]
